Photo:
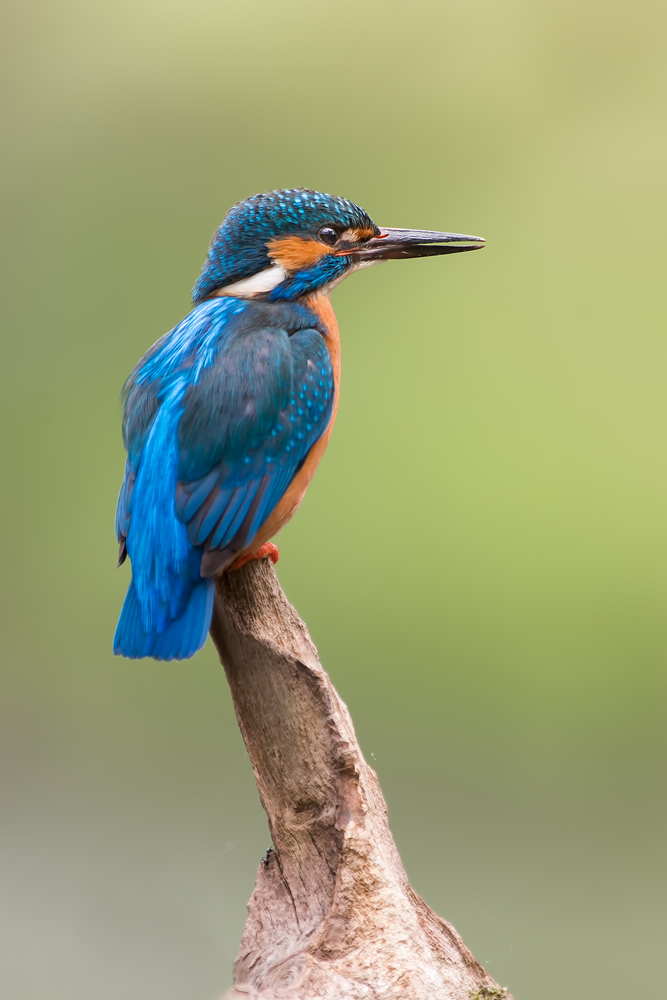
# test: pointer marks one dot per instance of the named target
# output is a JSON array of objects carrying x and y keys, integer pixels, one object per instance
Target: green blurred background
[{"x": 481, "y": 558}]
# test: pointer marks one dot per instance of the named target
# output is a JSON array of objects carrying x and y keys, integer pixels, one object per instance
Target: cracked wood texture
[{"x": 332, "y": 914}]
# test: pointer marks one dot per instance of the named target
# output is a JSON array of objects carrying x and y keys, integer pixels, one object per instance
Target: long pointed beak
[{"x": 396, "y": 244}]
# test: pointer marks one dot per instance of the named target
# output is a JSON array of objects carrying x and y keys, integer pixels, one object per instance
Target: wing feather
[
  {"x": 277, "y": 401},
  {"x": 259, "y": 394},
  {"x": 190, "y": 496}
]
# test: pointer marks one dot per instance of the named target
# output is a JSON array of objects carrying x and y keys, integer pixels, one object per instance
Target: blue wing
[
  {"x": 219, "y": 417},
  {"x": 247, "y": 427}
]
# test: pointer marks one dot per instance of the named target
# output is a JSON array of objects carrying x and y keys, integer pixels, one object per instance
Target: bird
[{"x": 226, "y": 417}]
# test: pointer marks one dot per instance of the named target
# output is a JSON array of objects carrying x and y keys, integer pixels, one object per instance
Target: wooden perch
[{"x": 332, "y": 915}]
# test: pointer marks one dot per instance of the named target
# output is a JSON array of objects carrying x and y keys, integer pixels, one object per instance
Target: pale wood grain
[{"x": 332, "y": 915}]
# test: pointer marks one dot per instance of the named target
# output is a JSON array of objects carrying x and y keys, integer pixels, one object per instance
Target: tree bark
[{"x": 332, "y": 915}]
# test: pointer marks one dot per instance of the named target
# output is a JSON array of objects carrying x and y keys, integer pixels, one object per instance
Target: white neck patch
[{"x": 257, "y": 284}]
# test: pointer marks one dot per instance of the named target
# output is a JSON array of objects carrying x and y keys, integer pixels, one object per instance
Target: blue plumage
[
  {"x": 181, "y": 638},
  {"x": 218, "y": 417},
  {"x": 328, "y": 271}
]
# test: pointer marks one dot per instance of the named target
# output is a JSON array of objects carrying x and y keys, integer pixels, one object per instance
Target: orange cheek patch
[{"x": 294, "y": 253}]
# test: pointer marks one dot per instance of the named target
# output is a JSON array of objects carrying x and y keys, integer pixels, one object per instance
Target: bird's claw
[{"x": 267, "y": 550}]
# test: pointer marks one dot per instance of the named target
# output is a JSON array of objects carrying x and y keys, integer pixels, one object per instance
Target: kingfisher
[{"x": 226, "y": 417}]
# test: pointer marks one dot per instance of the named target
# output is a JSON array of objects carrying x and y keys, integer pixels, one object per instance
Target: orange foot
[{"x": 268, "y": 549}]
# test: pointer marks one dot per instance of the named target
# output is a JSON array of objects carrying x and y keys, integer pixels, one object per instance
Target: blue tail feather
[{"x": 180, "y": 639}]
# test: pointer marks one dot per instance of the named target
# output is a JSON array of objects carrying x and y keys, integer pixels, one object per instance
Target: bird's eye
[{"x": 328, "y": 235}]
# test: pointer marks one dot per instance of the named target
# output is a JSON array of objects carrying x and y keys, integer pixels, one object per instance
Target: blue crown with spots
[{"x": 238, "y": 248}]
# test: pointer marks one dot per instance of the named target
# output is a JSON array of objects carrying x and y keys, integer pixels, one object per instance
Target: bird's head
[{"x": 285, "y": 244}]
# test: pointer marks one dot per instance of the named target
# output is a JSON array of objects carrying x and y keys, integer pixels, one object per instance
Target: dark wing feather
[{"x": 247, "y": 426}]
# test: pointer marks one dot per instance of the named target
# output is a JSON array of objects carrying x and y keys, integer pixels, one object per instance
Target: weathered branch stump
[{"x": 332, "y": 915}]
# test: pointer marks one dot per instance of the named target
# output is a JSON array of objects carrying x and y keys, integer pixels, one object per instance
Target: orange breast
[{"x": 289, "y": 504}]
